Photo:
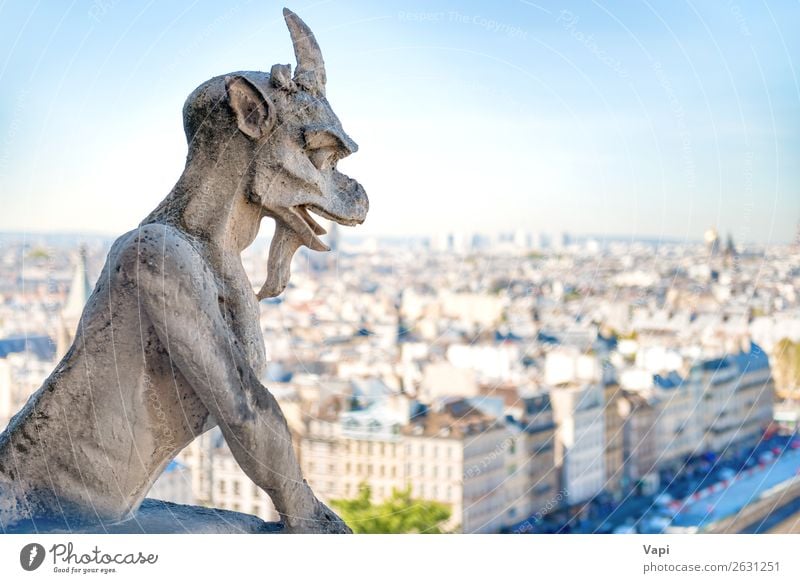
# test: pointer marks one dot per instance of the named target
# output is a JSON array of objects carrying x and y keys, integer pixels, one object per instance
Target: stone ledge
[{"x": 159, "y": 517}]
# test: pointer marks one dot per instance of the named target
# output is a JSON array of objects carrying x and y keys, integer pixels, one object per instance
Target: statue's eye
[{"x": 323, "y": 158}]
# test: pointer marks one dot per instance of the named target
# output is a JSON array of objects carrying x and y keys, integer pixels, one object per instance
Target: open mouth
[
  {"x": 303, "y": 212},
  {"x": 311, "y": 229},
  {"x": 308, "y": 229},
  {"x": 347, "y": 205},
  {"x": 295, "y": 226}
]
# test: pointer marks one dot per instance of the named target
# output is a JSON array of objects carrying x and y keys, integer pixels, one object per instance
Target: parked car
[
  {"x": 766, "y": 457},
  {"x": 663, "y": 499}
]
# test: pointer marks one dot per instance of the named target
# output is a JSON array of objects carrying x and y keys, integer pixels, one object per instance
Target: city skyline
[
  {"x": 584, "y": 119},
  {"x": 526, "y": 392}
]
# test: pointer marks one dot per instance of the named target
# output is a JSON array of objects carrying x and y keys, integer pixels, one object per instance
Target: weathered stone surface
[
  {"x": 169, "y": 344},
  {"x": 159, "y": 517}
]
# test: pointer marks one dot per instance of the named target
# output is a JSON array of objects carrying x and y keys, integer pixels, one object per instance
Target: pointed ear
[{"x": 255, "y": 113}]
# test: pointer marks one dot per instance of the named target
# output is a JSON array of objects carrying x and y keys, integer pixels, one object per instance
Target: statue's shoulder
[{"x": 158, "y": 247}]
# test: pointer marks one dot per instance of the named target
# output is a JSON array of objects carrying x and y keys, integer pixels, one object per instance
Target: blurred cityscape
[{"x": 527, "y": 383}]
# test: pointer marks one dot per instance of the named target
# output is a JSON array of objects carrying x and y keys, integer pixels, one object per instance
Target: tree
[
  {"x": 38, "y": 254},
  {"x": 400, "y": 514},
  {"x": 786, "y": 368}
]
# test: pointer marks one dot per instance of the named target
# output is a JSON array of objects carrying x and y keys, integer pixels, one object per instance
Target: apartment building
[
  {"x": 539, "y": 437},
  {"x": 614, "y": 439},
  {"x": 452, "y": 453},
  {"x": 580, "y": 439},
  {"x": 737, "y": 397}
]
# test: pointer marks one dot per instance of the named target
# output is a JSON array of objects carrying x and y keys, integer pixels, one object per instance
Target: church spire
[
  {"x": 79, "y": 293},
  {"x": 80, "y": 290}
]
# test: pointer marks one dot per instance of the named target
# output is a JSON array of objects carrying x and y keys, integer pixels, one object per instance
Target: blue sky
[{"x": 614, "y": 118}]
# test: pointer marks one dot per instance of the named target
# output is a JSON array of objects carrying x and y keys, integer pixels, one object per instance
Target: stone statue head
[{"x": 284, "y": 130}]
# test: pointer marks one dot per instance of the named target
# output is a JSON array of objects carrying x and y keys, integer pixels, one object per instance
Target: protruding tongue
[{"x": 284, "y": 244}]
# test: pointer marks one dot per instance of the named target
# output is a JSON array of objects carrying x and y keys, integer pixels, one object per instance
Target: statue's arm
[{"x": 179, "y": 296}]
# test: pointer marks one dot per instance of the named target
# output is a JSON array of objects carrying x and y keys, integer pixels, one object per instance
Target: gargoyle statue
[{"x": 169, "y": 343}]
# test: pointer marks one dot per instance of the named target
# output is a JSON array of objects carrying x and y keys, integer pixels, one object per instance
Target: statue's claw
[{"x": 322, "y": 520}]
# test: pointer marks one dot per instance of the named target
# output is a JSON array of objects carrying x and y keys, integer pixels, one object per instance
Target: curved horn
[{"x": 310, "y": 71}]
